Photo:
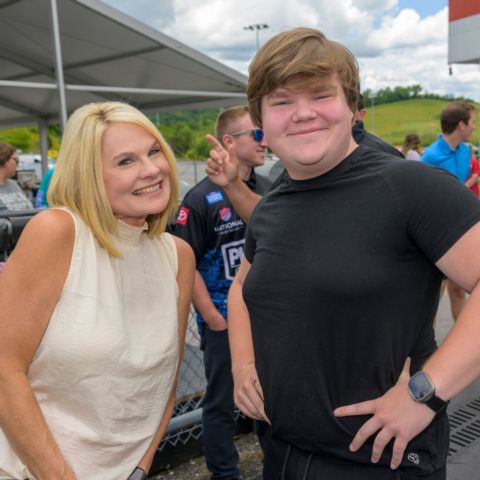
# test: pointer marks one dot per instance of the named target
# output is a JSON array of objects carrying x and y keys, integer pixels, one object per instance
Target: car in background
[
  {"x": 30, "y": 162},
  {"x": 271, "y": 168}
]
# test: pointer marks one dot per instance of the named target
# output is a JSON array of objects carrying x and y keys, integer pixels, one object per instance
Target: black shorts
[{"x": 284, "y": 462}]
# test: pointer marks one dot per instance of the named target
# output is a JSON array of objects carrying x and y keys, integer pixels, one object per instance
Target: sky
[{"x": 397, "y": 42}]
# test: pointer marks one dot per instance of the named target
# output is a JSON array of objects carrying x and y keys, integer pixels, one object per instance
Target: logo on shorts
[
  {"x": 226, "y": 214},
  {"x": 182, "y": 216},
  {"x": 414, "y": 458},
  {"x": 214, "y": 197},
  {"x": 232, "y": 254}
]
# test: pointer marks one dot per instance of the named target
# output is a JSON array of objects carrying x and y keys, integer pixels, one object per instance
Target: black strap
[{"x": 436, "y": 404}]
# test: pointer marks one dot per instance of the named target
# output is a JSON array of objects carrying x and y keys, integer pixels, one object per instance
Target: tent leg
[
  {"x": 43, "y": 131},
  {"x": 59, "y": 64}
]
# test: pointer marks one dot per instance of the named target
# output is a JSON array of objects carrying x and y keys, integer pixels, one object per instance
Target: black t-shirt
[{"x": 343, "y": 288}]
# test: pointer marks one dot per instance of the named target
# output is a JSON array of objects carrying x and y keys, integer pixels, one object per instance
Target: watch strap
[
  {"x": 138, "y": 474},
  {"x": 436, "y": 404}
]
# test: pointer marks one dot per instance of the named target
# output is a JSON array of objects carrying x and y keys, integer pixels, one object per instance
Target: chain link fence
[
  {"x": 186, "y": 425},
  {"x": 186, "y": 420}
]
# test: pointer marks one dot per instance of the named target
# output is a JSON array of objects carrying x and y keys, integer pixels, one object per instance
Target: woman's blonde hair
[
  {"x": 78, "y": 179},
  {"x": 306, "y": 57}
]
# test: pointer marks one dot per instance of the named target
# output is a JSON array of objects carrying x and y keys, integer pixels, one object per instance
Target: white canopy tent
[{"x": 57, "y": 56}]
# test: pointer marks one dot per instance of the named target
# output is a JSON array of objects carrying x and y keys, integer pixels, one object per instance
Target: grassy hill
[
  {"x": 392, "y": 121},
  {"x": 185, "y": 131}
]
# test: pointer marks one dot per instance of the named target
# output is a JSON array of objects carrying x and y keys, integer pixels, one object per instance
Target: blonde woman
[{"x": 95, "y": 301}]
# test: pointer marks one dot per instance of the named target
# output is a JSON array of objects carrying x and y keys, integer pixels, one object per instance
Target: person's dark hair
[
  {"x": 360, "y": 102},
  {"x": 453, "y": 114},
  {"x": 305, "y": 57},
  {"x": 411, "y": 142},
  {"x": 6, "y": 152}
]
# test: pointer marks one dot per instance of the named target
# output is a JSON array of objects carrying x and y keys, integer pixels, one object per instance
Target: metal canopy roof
[{"x": 106, "y": 55}]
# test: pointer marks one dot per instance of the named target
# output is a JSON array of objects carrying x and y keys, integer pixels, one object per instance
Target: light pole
[
  {"x": 257, "y": 27},
  {"x": 372, "y": 98}
]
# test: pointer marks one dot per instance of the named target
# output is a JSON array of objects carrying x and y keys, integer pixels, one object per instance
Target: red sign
[{"x": 459, "y": 9}]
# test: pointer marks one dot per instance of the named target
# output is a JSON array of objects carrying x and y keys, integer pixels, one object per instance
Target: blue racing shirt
[{"x": 208, "y": 222}]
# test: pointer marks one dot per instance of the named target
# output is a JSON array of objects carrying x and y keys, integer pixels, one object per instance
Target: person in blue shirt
[
  {"x": 41, "y": 197},
  {"x": 452, "y": 153}
]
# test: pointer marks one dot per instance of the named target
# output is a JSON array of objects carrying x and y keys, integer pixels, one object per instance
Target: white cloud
[
  {"x": 393, "y": 46},
  {"x": 378, "y": 6},
  {"x": 408, "y": 29}
]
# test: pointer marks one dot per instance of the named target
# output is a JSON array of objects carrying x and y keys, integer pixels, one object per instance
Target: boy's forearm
[{"x": 242, "y": 198}]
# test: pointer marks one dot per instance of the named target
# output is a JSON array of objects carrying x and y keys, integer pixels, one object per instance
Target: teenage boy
[{"x": 340, "y": 282}]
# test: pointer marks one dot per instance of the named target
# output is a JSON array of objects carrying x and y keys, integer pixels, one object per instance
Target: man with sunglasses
[{"x": 208, "y": 222}]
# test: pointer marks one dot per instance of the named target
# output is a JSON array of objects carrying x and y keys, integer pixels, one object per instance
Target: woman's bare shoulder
[{"x": 47, "y": 239}]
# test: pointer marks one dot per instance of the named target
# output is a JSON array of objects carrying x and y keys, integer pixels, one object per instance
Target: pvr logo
[{"x": 232, "y": 257}]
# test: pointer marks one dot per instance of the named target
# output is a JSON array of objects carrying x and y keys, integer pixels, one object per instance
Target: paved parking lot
[{"x": 464, "y": 414}]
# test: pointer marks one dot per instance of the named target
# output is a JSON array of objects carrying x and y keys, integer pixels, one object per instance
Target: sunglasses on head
[{"x": 256, "y": 133}]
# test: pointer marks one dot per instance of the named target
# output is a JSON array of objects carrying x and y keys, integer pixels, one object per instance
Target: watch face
[{"x": 420, "y": 387}]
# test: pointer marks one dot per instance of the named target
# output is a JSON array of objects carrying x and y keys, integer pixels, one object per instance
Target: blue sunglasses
[{"x": 256, "y": 133}]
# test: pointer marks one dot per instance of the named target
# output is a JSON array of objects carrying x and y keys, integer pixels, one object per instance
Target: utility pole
[{"x": 372, "y": 98}]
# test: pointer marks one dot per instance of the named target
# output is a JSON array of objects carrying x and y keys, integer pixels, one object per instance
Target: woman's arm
[
  {"x": 472, "y": 180},
  {"x": 30, "y": 286},
  {"x": 248, "y": 393},
  {"x": 185, "y": 279}
]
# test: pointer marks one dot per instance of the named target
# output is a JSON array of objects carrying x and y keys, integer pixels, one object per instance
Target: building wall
[{"x": 464, "y": 31}]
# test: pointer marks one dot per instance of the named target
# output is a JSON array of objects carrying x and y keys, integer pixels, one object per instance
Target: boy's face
[{"x": 310, "y": 131}]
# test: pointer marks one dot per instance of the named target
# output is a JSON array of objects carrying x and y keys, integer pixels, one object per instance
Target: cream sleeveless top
[{"x": 105, "y": 367}]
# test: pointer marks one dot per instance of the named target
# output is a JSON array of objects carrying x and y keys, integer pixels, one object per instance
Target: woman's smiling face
[{"x": 136, "y": 173}]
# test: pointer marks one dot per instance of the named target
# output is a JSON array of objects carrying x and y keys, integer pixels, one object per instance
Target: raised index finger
[{"x": 214, "y": 142}]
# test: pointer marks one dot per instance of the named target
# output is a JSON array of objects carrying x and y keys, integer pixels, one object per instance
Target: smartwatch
[
  {"x": 138, "y": 474},
  {"x": 422, "y": 390}
]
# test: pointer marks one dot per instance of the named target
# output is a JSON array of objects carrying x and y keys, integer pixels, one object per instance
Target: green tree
[{"x": 179, "y": 136}]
